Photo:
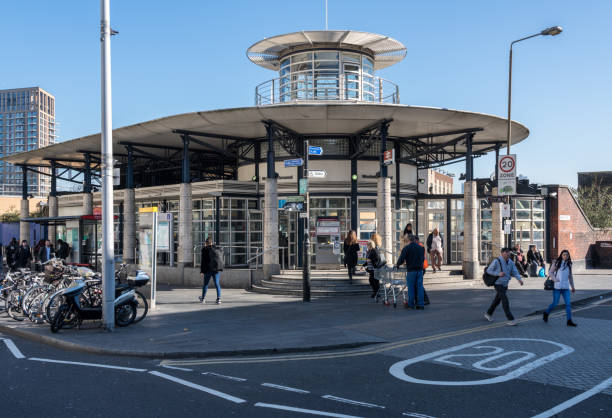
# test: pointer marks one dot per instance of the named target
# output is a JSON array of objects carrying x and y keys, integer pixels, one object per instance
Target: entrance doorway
[
  {"x": 432, "y": 214},
  {"x": 287, "y": 238}
]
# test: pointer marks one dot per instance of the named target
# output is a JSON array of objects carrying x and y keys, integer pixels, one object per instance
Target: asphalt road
[{"x": 491, "y": 370}]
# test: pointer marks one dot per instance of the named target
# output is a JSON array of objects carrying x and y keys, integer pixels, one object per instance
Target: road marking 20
[{"x": 495, "y": 353}]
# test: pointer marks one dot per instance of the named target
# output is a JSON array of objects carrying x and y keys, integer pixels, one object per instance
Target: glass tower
[{"x": 27, "y": 122}]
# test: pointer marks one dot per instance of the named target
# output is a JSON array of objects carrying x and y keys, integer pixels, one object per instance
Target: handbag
[{"x": 549, "y": 284}]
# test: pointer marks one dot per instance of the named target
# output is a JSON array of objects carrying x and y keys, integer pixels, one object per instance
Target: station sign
[
  {"x": 295, "y": 162},
  {"x": 506, "y": 179},
  {"x": 312, "y": 150},
  {"x": 317, "y": 174},
  {"x": 294, "y": 204},
  {"x": 389, "y": 157}
]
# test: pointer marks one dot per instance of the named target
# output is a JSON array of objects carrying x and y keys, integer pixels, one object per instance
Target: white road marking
[
  {"x": 78, "y": 363},
  {"x": 287, "y": 388},
  {"x": 198, "y": 387},
  {"x": 304, "y": 411},
  {"x": 416, "y": 415},
  {"x": 222, "y": 376},
  {"x": 352, "y": 402},
  {"x": 576, "y": 399},
  {"x": 177, "y": 368},
  {"x": 398, "y": 369},
  {"x": 13, "y": 348}
]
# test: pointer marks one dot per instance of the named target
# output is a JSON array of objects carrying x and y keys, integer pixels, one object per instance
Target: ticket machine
[{"x": 327, "y": 243}]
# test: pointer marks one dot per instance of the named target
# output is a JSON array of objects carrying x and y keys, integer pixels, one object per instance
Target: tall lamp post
[{"x": 552, "y": 31}]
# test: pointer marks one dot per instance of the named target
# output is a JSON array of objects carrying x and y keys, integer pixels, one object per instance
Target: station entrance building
[{"x": 222, "y": 173}]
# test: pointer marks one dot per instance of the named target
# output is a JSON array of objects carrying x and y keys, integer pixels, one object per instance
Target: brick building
[{"x": 570, "y": 229}]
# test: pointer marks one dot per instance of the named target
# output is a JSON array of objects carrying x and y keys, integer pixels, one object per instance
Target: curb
[{"x": 55, "y": 342}]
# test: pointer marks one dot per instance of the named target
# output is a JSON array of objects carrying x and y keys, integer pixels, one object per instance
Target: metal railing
[
  {"x": 329, "y": 88},
  {"x": 282, "y": 252}
]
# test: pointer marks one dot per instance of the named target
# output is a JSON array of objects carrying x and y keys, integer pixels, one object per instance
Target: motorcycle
[{"x": 79, "y": 304}]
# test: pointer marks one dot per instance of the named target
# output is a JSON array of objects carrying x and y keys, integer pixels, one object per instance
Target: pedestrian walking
[
  {"x": 535, "y": 260},
  {"x": 372, "y": 262},
  {"x": 413, "y": 256},
  {"x": 351, "y": 250},
  {"x": 435, "y": 245},
  {"x": 561, "y": 273},
  {"x": 210, "y": 268},
  {"x": 23, "y": 255},
  {"x": 505, "y": 269}
]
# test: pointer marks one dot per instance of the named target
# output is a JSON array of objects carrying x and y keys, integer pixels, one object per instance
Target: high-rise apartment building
[{"x": 27, "y": 122}]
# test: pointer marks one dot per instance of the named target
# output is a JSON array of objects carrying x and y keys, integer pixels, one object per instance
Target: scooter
[{"x": 72, "y": 310}]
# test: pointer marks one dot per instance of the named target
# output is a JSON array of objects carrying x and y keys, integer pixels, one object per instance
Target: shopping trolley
[{"x": 392, "y": 285}]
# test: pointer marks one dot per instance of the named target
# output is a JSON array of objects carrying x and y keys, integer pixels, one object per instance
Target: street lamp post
[
  {"x": 552, "y": 31},
  {"x": 108, "y": 253}
]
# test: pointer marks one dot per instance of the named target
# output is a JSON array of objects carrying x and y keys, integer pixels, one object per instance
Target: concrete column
[
  {"x": 24, "y": 227},
  {"x": 270, "y": 257},
  {"x": 129, "y": 225},
  {"x": 497, "y": 227},
  {"x": 52, "y": 230},
  {"x": 471, "y": 266},
  {"x": 383, "y": 216},
  {"x": 87, "y": 203},
  {"x": 185, "y": 255}
]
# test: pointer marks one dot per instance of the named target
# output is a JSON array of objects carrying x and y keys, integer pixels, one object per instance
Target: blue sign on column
[
  {"x": 296, "y": 162},
  {"x": 312, "y": 150}
]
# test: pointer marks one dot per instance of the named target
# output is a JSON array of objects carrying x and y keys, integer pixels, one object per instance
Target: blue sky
[{"x": 189, "y": 55}]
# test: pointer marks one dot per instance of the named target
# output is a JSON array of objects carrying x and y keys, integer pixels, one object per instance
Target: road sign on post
[
  {"x": 312, "y": 150},
  {"x": 295, "y": 162},
  {"x": 506, "y": 182},
  {"x": 317, "y": 174}
]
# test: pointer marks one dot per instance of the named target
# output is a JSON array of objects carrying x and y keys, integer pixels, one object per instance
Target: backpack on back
[
  {"x": 490, "y": 279},
  {"x": 216, "y": 259}
]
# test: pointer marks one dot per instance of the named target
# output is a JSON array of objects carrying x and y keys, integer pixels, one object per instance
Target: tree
[
  {"x": 11, "y": 215},
  {"x": 596, "y": 202}
]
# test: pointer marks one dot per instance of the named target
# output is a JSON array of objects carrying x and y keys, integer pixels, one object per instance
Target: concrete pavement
[{"x": 248, "y": 323}]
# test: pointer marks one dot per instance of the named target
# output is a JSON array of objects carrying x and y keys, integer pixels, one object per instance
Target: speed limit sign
[
  {"x": 507, "y": 165},
  {"x": 506, "y": 180}
]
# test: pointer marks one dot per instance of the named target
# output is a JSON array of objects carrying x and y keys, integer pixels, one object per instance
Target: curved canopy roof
[
  {"x": 386, "y": 51},
  {"x": 221, "y": 128}
]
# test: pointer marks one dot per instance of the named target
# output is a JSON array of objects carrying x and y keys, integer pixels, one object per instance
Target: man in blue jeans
[
  {"x": 210, "y": 268},
  {"x": 413, "y": 255}
]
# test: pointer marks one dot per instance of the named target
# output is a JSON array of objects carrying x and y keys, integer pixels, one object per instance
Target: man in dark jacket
[
  {"x": 46, "y": 253},
  {"x": 210, "y": 267},
  {"x": 413, "y": 255},
  {"x": 23, "y": 256},
  {"x": 11, "y": 252}
]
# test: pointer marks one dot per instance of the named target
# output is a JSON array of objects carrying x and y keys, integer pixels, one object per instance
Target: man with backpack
[
  {"x": 413, "y": 255},
  {"x": 504, "y": 269},
  {"x": 210, "y": 268}
]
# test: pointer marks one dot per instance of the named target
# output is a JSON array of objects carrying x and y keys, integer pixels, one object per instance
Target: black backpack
[
  {"x": 216, "y": 259},
  {"x": 381, "y": 258},
  {"x": 490, "y": 279}
]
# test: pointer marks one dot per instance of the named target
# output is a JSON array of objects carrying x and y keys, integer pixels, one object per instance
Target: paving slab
[{"x": 249, "y": 323}]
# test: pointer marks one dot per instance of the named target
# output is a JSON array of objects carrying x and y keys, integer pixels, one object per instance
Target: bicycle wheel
[
  {"x": 142, "y": 306},
  {"x": 125, "y": 314},
  {"x": 58, "y": 319},
  {"x": 29, "y": 297},
  {"x": 14, "y": 305},
  {"x": 53, "y": 304}
]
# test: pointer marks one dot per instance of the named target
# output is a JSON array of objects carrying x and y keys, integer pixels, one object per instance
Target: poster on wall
[{"x": 363, "y": 251}]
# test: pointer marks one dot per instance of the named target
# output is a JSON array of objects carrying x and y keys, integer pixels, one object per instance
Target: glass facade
[
  {"x": 528, "y": 223},
  {"x": 27, "y": 122},
  {"x": 327, "y": 75}
]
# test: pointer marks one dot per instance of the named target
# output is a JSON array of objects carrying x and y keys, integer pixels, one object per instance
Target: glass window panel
[
  {"x": 538, "y": 204},
  {"x": 522, "y": 204},
  {"x": 326, "y": 55},
  {"x": 538, "y": 215},
  {"x": 538, "y": 235},
  {"x": 337, "y": 202},
  {"x": 523, "y": 214}
]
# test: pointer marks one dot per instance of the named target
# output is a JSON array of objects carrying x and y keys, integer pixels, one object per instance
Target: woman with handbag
[{"x": 561, "y": 274}]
